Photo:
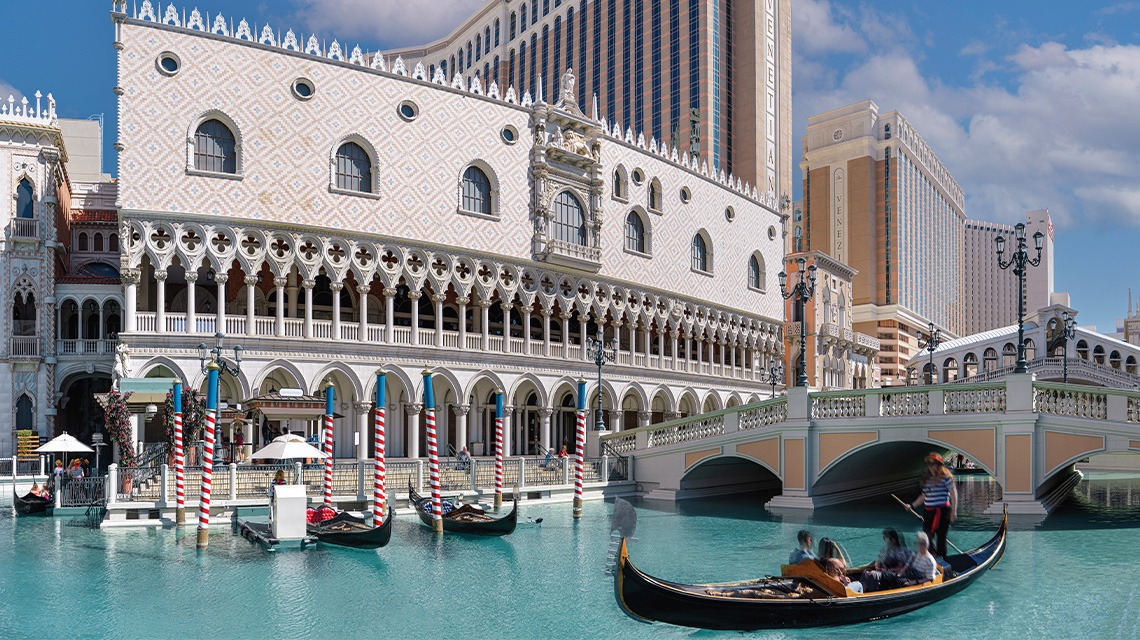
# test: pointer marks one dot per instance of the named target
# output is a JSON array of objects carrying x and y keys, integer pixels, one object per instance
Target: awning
[{"x": 274, "y": 406}]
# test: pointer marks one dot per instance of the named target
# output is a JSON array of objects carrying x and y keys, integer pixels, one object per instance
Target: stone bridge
[{"x": 823, "y": 448}]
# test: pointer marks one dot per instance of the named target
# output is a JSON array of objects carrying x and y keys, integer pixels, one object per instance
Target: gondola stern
[{"x": 619, "y": 584}]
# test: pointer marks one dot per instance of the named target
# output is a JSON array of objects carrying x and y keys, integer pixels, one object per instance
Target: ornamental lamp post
[
  {"x": 1020, "y": 260},
  {"x": 933, "y": 339},
  {"x": 773, "y": 375},
  {"x": 801, "y": 292},
  {"x": 213, "y": 369},
  {"x": 1069, "y": 331},
  {"x": 601, "y": 354}
]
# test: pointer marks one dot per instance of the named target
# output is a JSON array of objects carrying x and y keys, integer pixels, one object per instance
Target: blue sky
[{"x": 1030, "y": 104}]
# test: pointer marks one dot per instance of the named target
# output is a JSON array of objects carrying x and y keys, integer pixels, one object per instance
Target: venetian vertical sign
[
  {"x": 770, "y": 94},
  {"x": 838, "y": 200}
]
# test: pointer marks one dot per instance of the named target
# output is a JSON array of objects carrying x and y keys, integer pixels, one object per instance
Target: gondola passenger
[
  {"x": 832, "y": 562},
  {"x": 892, "y": 559},
  {"x": 922, "y": 567},
  {"x": 940, "y": 498},
  {"x": 803, "y": 552}
]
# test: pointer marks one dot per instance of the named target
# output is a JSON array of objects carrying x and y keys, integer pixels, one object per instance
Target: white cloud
[
  {"x": 1060, "y": 133},
  {"x": 394, "y": 23},
  {"x": 817, "y": 30},
  {"x": 8, "y": 90}
]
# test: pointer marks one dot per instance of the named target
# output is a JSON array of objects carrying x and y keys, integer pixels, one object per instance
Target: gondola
[
  {"x": 467, "y": 518},
  {"x": 347, "y": 530},
  {"x": 802, "y": 597},
  {"x": 32, "y": 505}
]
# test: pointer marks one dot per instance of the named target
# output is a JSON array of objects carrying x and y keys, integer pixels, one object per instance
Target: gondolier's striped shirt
[{"x": 937, "y": 494}]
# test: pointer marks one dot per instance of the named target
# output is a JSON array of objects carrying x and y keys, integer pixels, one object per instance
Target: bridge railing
[{"x": 749, "y": 416}]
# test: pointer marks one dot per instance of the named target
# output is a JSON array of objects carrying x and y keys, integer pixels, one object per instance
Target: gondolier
[{"x": 939, "y": 498}]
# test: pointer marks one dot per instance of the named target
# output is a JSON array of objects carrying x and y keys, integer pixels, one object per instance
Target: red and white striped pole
[
  {"x": 379, "y": 491},
  {"x": 330, "y": 397},
  {"x": 179, "y": 457},
  {"x": 433, "y": 455},
  {"x": 498, "y": 449},
  {"x": 579, "y": 447},
  {"x": 208, "y": 456}
]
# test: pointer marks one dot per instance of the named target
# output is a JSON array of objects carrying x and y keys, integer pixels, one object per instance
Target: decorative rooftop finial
[{"x": 567, "y": 99}]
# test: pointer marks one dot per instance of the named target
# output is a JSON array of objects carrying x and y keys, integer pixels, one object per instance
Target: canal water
[{"x": 1070, "y": 575}]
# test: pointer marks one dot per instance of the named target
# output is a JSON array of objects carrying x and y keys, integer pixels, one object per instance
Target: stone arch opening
[{"x": 722, "y": 475}]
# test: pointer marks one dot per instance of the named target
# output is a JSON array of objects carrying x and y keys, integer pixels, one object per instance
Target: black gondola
[
  {"x": 803, "y": 597},
  {"x": 30, "y": 505},
  {"x": 347, "y": 530},
  {"x": 468, "y": 518}
]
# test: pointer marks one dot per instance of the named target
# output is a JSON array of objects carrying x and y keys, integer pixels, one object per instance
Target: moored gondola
[
  {"x": 30, "y": 505},
  {"x": 347, "y": 530},
  {"x": 802, "y": 597},
  {"x": 467, "y": 518}
]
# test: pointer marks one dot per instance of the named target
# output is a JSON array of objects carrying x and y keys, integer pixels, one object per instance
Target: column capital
[
  {"x": 221, "y": 278},
  {"x": 250, "y": 280},
  {"x": 672, "y": 415},
  {"x": 565, "y": 315},
  {"x": 462, "y": 301},
  {"x": 508, "y": 408},
  {"x": 413, "y": 407},
  {"x": 389, "y": 292},
  {"x": 414, "y": 294},
  {"x": 438, "y": 298},
  {"x": 461, "y": 409},
  {"x": 280, "y": 281},
  {"x": 130, "y": 276},
  {"x": 308, "y": 284},
  {"x": 545, "y": 412},
  {"x": 644, "y": 416},
  {"x": 362, "y": 407},
  {"x": 160, "y": 275},
  {"x": 191, "y": 276},
  {"x": 336, "y": 287},
  {"x": 483, "y": 303},
  {"x": 363, "y": 289}
]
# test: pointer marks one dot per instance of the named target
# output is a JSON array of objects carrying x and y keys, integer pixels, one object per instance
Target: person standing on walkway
[{"x": 940, "y": 498}]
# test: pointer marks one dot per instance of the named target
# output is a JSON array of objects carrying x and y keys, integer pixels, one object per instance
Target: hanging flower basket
[{"x": 117, "y": 424}]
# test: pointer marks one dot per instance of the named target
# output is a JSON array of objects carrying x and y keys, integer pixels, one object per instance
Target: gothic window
[
  {"x": 655, "y": 195},
  {"x": 487, "y": 40},
  {"x": 82, "y": 242},
  {"x": 25, "y": 200},
  {"x": 514, "y": 26},
  {"x": 25, "y": 417},
  {"x": 569, "y": 220},
  {"x": 353, "y": 168},
  {"x": 496, "y": 32},
  {"x": 756, "y": 272},
  {"x": 621, "y": 186},
  {"x": 700, "y": 254},
  {"x": 522, "y": 18},
  {"x": 799, "y": 240},
  {"x": 98, "y": 242},
  {"x": 635, "y": 233},
  {"x": 470, "y": 57},
  {"x": 215, "y": 148},
  {"x": 478, "y": 48},
  {"x": 113, "y": 243},
  {"x": 476, "y": 191},
  {"x": 24, "y": 312}
]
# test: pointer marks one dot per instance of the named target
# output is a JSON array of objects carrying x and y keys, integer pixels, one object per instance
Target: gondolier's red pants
[{"x": 935, "y": 523}]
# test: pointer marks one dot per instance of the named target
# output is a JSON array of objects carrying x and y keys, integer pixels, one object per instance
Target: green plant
[{"x": 117, "y": 424}]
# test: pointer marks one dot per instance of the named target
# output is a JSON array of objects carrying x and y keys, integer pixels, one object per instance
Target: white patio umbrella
[
  {"x": 65, "y": 444},
  {"x": 287, "y": 447}
]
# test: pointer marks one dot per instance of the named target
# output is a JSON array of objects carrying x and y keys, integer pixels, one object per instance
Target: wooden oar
[{"x": 915, "y": 514}]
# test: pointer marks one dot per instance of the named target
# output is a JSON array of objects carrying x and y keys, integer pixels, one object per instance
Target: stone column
[
  {"x": 362, "y": 306},
  {"x": 461, "y": 438},
  {"x": 632, "y": 339},
  {"x": 701, "y": 350},
  {"x": 438, "y": 300},
  {"x": 615, "y": 420},
  {"x": 307, "y": 327},
  {"x": 415, "y": 296},
  {"x": 643, "y": 418},
  {"x": 508, "y": 421},
  {"x": 362, "y": 429},
  {"x": 506, "y": 325},
  {"x": 292, "y": 291},
  {"x": 485, "y": 322},
  {"x": 280, "y": 284},
  {"x": 462, "y": 302},
  {"x": 191, "y": 302},
  {"x": 160, "y": 304},
  {"x": 526, "y": 330},
  {"x": 250, "y": 306},
  {"x": 645, "y": 341},
  {"x": 519, "y": 439},
  {"x": 688, "y": 348},
  {"x": 545, "y": 413},
  {"x": 220, "y": 323},
  {"x": 565, "y": 333},
  {"x": 675, "y": 335},
  {"x": 336, "y": 288},
  {"x": 412, "y": 409},
  {"x": 389, "y": 312},
  {"x": 130, "y": 279},
  {"x": 546, "y": 331}
]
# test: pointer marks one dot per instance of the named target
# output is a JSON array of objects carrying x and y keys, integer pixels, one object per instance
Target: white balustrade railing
[
  {"x": 349, "y": 332},
  {"x": 235, "y": 325},
  {"x": 264, "y": 326},
  {"x": 905, "y": 403},
  {"x": 294, "y": 328},
  {"x": 145, "y": 322},
  {"x": 474, "y": 342},
  {"x": 451, "y": 339},
  {"x": 838, "y": 405},
  {"x": 771, "y": 412},
  {"x": 401, "y": 335},
  {"x": 26, "y": 346},
  {"x": 686, "y": 430},
  {"x": 495, "y": 343},
  {"x": 426, "y": 336},
  {"x": 25, "y": 228},
  {"x": 1069, "y": 402},
  {"x": 322, "y": 329},
  {"x": 985, "y": 399},
  {"x": 375, "y": 333}
]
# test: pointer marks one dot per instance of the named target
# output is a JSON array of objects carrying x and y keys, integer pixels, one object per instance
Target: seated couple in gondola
[
  {"x": 38, "y": 493},
  {"x": 898, "y": 566}
]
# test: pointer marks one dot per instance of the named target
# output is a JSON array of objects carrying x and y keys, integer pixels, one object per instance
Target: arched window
[
  {"x": 522, "y": 18},
  {"x": 353, "y": 168},
  {"x": 700, "y": 254},
  {"x": 1008, "y": 355},
  {"x": 496, "y": 32},
  {"x": 1098, "y": 354},
  {"x": 24, "y": 314},
  {"x": 799, "y": 246},
  {"x": 989, "y": 359},
  {"x": 655, "y": 195},
  {"x": 25, "y": 417},
  {"x": 487, "y": 40},
  {"x": 514, "y": 26},
  {"x": 459, "y": 69},
  {"x": 1082, "y": 350},
  {"x": 756, "y": 272},
  {"x": 478, "y": 48},
  {"x": 215, "y": 148},
  {"x": 113, "y": 243},
  {"x": 470, "y": 56},
  {"x": 569, "y": 220},
  {"x": 635, "y": 233},
  {"x": 82, "y": 242},
  {"x": 476, "y": 191},
  {"x": 98, "y": 242},
  {"x": 621, "y": 187},
  {"x": 25, "y": 200}
]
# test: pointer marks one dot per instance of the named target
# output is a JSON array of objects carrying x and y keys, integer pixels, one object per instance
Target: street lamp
[
  {"x": 1019, "y": 261},
  {"x": 1069, "y": 331},
  {"x": 215, "y": 355},
  {"x": 774, "y": 374},
  {"x": 802, "y": 292},
  {"x": 601, "y": 353},
  {"x": 213, "y": 369},
  {"x": 933, "y": 339}
]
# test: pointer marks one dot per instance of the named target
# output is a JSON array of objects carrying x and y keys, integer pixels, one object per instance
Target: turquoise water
[{"x": 1068, "y": 576}]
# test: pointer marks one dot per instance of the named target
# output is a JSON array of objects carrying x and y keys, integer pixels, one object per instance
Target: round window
[
  {"x": 303, "y": 88},
  {"x": 408, "y": 110},
  {"x": 771, "y": 233},
  {"x": 686, "y": 196},
  {"x": 730, "y": 214},
  {"x": 509, "y": 134},
  {"x": 638, "y": 176},
  {"x": 168, "y": 64}
]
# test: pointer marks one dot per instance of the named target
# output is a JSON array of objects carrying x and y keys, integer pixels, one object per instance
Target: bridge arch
[
  {"x": 725, "y": 474},
  {"x": 865, "y": 465}
]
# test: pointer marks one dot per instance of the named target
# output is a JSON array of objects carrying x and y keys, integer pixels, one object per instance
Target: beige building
[
  {"x": 990, "y": 292},
  {"x": 711, "y": 78},
  {"x": 877, "y": 198}
]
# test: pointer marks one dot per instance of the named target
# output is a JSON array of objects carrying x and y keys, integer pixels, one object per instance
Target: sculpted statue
[
  {"x": 122, "y": 363},
  {"x": 568, "y": 82},
  {"x": 575, "y": 142}
]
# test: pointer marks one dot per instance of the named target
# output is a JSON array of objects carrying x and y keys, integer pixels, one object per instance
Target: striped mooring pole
[
  {"x": 498, "y": 449},
  {"x": 179, "y": 457},
  {"x": 330, "y": 402},
  {"x": 203, "y": 539},
  {"x": 433, "y": 454},
  {"x": 579, "y": 447},
  {"x": 379, "y": 491}
]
